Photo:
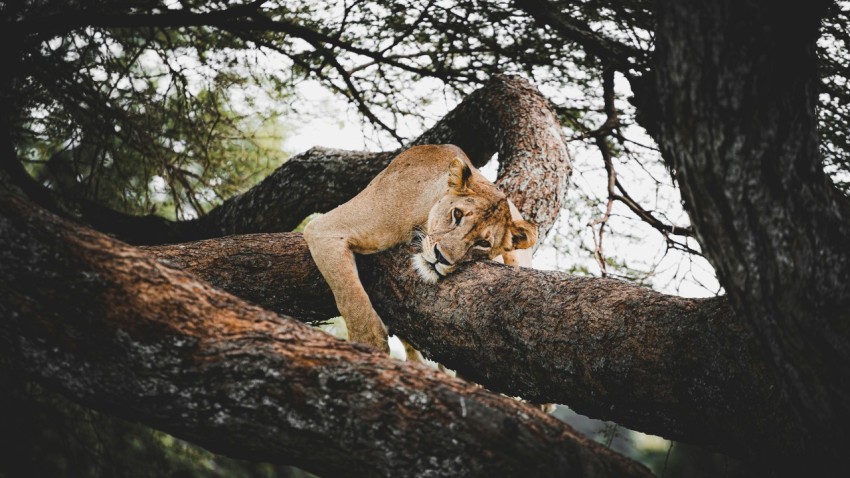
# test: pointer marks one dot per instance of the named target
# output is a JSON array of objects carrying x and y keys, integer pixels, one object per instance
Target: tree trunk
[
  {"x": 737, "y": 84},
  {"x": 117, "y": 331}
]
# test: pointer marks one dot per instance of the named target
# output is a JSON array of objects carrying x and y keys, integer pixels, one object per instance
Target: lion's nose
[{"x": 439, "y": 256}]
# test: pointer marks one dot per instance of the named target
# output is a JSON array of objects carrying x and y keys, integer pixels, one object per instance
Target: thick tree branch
[
  {"x": 682, "y": 368},
  {"x": 117, "y": 331},
  {"x": 315, "y": 181}
]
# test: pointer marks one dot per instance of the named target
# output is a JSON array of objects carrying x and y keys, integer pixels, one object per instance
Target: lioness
[{"x": 431, "y": 191}]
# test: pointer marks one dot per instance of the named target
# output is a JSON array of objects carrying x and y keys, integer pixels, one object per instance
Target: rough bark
[
  {"x": 507, "y": 116},
  {"x": 737, "y": 84},
  {"x": 682, "y": 368},
  {"x": 118, "y": 331}
]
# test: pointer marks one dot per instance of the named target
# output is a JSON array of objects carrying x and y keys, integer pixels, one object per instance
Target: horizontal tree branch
[
  {"x": 686, "y": 369},
  {"x": 115, "y": 330}
]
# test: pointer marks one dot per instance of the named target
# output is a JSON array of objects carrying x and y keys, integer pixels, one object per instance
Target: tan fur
[{"x": 434, "y": 193}]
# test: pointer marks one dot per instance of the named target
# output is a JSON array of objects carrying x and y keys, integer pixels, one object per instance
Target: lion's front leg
[
  {"x": 335, "y": 261},
  {"x": 368, "y": 328}
]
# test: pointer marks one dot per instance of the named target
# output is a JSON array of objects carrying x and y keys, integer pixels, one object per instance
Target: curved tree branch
[
  {"x": 682, "y": 368},
  {"x": 117, "y": 331},
  {"x": 507, "y": 116},
  {"x": 510, "y": 117}
]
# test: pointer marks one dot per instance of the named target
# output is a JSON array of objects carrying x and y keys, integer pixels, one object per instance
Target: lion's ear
[
  {"x": 459, "y": 174},
  {"x": 523, "y": 234}
]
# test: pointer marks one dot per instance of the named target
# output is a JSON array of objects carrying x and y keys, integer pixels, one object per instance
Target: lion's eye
[
  {"x": 457, "y": 214},
  {"x": 483, "y": 243}
]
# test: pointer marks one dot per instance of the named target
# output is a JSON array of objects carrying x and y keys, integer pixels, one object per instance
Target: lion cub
[{"x": 433, "y": 191}]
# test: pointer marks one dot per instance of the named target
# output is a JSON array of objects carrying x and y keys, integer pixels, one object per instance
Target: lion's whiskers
[{"x": 418, "y": 234}]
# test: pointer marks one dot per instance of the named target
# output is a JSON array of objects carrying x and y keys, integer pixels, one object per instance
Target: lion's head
[{"x": 472, "y": 221}]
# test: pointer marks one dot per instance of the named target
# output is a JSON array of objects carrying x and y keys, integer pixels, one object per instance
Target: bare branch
[
  {"x": 353, "y": 93},
  {"x": 613, "y": 53},
  {"x": 611, "y": 122},
  {"x": 610, "y": 128},
  {"x": 239, "y": 18},
  {"x": 648, "y": 217}
]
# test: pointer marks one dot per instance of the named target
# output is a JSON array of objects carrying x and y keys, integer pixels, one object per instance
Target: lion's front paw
[{"x": 372, "y": 332}]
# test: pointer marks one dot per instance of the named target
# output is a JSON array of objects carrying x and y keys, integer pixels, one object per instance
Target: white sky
[{"x": 334, "y": 127}]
